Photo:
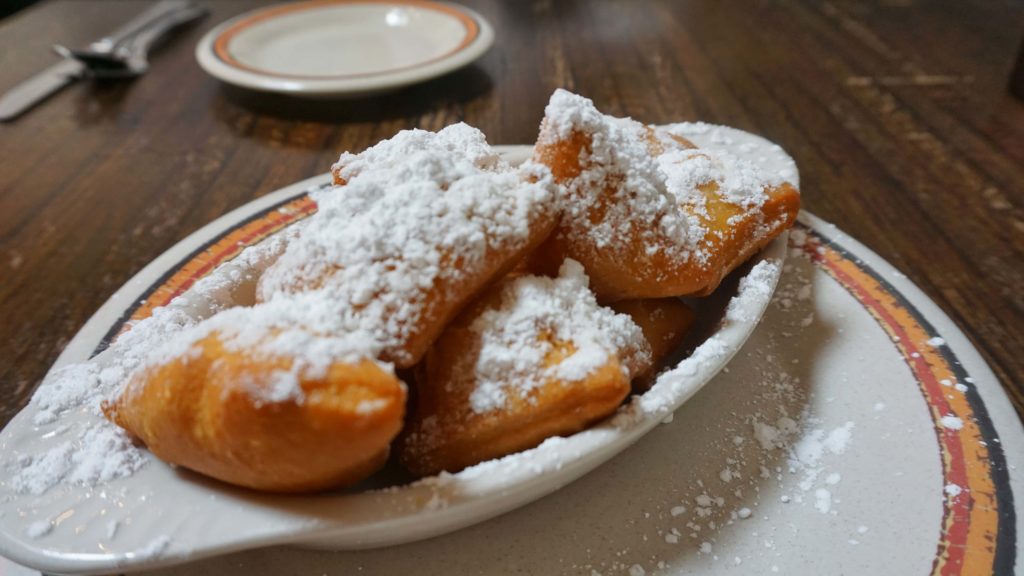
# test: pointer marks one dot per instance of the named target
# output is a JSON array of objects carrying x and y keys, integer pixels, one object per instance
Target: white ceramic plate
[
  {"x": 161, "y": 516},
  {"x": 330, "y": 48}
]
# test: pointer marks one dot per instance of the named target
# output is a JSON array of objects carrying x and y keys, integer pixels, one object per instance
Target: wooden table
[{"x": 897, "y": 115}]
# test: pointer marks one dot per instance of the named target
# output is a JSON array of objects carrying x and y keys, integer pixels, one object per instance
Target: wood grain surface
[{"x": 896, "y": 111}]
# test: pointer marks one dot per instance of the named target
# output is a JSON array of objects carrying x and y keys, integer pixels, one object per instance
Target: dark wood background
[{"x": 896, "y": 111}]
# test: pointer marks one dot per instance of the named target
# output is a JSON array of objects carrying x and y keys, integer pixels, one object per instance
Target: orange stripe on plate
[
  {"x": 971, "y": 518},
  {"x": 222, "y": 43},
  {"x": 223, "y": 251}
]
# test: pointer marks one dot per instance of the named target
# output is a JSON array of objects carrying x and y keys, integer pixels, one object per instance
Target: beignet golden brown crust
[
  {"x": 643, "y": 213},
  {"x": 214, "y": 411},
  {"x": 445, "y": 435},
  {"x": 417, "y": 227},
  {"x": 664, "y": 322}
]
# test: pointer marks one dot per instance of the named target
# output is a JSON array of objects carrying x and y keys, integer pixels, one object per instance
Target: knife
[
  {"x": 34, "y": 90},
  {"x": 37, "y": 88}
]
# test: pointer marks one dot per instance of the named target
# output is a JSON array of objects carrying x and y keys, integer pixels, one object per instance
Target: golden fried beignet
[
  {"x": 236, "y": 415},
  {"x": 734, "y": 235},
  {"x": 647, "y": 213},
  {"x": 446, "y": 436},
  {"x": 533, "y": 357},
  {"x": 664, "y": 322},
  {"x": 421, "y": 224}
]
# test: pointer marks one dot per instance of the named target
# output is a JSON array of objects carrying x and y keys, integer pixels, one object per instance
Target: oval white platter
[
  {"x": 857, "y": 432},
  {"x": 162, "y": 516},
  {"x": 332, "y": 48}
]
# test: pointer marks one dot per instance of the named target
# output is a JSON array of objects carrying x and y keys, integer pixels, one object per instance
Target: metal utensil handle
[
  {"x": 142, "y": 21},
  {"x": 142, "y": 41}
]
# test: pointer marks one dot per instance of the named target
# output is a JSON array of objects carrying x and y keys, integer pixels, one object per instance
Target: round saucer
[{"x": 334, "y": 48}]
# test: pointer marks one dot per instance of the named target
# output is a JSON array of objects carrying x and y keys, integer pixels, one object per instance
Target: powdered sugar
[
  {"x": 456, "y": 141},
  {"x": 73, "y": 386},
  {"x": 38, "y": 529},
  {"x": 769, "y": 441},
  {"x": 90, "y": 450},
  {"x": 738, "y": 181},
  {"x": 102, "y": 453},
  {"x": 651, "y": 180},
  {"x": 301, "y": 329},
  {"x": 618, "y": 158},
  {"x": 534, "y": 314},
  {"x": 822, "y": 500},
  {"x": 756, "y": 286},
  {"x": 421, "y": 212},
  {"x": 951, "y": 422},
  {"x": 38, "y": 473},
  {"x": 673, "y": 385}
]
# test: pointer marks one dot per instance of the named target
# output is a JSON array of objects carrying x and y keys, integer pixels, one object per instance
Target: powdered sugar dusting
[
  {"x": 777, "y": 446},
  {"x": 756, "y": 286},
  {"x": 89, "y": 450},
  {"x": 38, "y": 529},
  {"x": 301, "y": 329},
  {"x": 456, "y": 141},
  {"x": 652, "y": 181},
  {"x": 618, "y": 159},
  {"x": 951, "y": 422},
  {"x": 513, "y": 351},
  {"x": 74, "y": 386},
  {"x": 420, "y": 211}
]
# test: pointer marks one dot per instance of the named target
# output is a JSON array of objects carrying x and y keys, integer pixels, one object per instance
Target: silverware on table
[{"x": 120, "y": 54}]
